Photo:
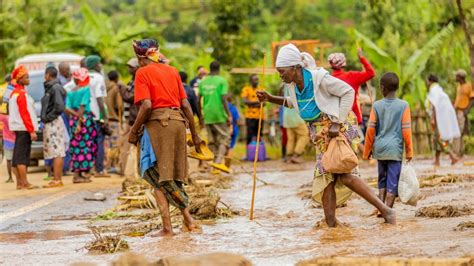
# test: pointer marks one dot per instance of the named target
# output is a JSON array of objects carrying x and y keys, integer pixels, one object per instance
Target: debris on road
[
  {"x": 463, "y": 226},
  {"x": 97, "y": 197},
  {"x": 106, "y": 244},
  {"x": 443, "y": 211}
]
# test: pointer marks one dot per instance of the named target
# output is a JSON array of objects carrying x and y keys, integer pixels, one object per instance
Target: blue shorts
[
  {"x": 389, "y": 175},
  {"x": 48, "y": 162}
]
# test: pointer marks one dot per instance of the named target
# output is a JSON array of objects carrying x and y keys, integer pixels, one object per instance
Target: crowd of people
[{"x": 94, "y": 124}]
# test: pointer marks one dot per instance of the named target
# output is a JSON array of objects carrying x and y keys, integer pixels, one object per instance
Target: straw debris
[{"x": 105, "y": 244}]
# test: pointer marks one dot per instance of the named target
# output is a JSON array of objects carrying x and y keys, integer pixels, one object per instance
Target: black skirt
[{"x": 22, "y": 149}]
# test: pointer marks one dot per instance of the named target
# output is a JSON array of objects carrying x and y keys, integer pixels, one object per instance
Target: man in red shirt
[
  {"x": 165, "y": 113},
  {"x": 354, "y": 78}
]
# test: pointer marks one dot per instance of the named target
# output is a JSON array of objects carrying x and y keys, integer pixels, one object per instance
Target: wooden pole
[{"x": 254, "y": 185}]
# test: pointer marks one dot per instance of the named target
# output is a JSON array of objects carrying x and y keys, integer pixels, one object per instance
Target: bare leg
[
  {"x": 437, "y": 161},
  {"x": 9, "y": 169},
  {"x": 188, "y": 220},
  {"x": 22, "y": 169},
  {"x": 361, "y": 148},
  {"x": 329, "y": 205},
  {"x": 22, "y": 174},
  {"x": 222, "y": 151},
  {"x": 390, "y": 199},
  {"x": 165, "y": 214},
  {"x": 19, "y": 181},
  {"x": 453, "y": 157},
  {"x": 58, "y": 168},
  {"x": 360, "y": 187},
  {"x": 49, "y": 171},
  {"x": 382, "y": 194}
]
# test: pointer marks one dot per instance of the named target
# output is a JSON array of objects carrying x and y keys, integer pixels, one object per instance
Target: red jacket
[
  {"x": 355, "y": 79},
  {"x": 22, "y": 115}
]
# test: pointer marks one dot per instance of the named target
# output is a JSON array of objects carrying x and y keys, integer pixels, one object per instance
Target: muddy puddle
[
  {"x": 287, "y": 228},
  {"x": 46, "y": 235}
]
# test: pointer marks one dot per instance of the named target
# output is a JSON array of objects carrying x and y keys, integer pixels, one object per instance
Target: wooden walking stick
[{"x": 254, "y": 186}]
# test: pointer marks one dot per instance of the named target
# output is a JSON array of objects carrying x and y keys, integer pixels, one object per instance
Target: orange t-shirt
[{"x": 159, "y": 83}]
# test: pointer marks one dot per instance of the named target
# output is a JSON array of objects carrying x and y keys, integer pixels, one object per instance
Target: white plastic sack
[{"x": 408, "y": 186}]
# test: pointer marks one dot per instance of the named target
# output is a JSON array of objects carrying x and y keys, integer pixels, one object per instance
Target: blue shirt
[
  {"x": 309, "y": 110},
  {"x": 76, "y": 98},
  {"x": 388, "y": 144}
]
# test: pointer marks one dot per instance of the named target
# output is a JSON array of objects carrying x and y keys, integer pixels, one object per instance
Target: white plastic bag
[{"x": 408, "y": 186}]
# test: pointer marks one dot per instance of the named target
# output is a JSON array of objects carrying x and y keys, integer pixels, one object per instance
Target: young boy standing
[{"x": 389, "y": 131}]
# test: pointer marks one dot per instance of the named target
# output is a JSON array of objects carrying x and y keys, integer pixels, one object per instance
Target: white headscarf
[
  {"x": 337, "y": 60},
  {"x": 289, "y": 55}
]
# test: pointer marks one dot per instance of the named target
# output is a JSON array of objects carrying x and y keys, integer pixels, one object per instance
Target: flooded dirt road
[{"x": 283, "y": 232}]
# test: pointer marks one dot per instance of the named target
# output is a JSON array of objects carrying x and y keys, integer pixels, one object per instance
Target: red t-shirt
[
  {"x": 355, "y": 79},
  {"x": 159, "y": 83}
]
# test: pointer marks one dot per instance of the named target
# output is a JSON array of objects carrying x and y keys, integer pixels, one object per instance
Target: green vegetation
[{"x": 412, "y": 38}]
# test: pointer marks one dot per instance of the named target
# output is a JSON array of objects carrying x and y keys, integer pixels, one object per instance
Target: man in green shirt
[{"x": 213, "y": 102}]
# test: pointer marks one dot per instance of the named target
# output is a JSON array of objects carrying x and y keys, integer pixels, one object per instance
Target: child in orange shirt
[{"x": 389, "y": 131}]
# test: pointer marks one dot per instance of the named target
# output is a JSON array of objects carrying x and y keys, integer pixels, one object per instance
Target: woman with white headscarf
[{"x": 324, "y": 102}]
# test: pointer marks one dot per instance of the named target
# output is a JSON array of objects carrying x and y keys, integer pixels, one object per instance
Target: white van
[{"x": 36, "y": 65}]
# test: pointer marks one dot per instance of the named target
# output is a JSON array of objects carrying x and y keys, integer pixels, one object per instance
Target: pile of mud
[
  {"x": 463, "y": 226},
  {"x": 211, "y": 259},
  {"x": 342, "y": 261},
  {"x": 437, "y": 180},
  {"x": 443, "y": 211}
]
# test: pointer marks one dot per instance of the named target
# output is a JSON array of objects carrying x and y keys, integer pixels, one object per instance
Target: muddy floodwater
[{"x": 286, "y": 228}]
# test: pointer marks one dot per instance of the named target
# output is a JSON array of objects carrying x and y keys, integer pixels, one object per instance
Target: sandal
[
  {"x": 101, "y": 174},
  {"x": 221, "y": 167},
  {"x": 80, "y": 180},
  {"x": 30, "y": 186},
  {"x": 54, "y": 184}
]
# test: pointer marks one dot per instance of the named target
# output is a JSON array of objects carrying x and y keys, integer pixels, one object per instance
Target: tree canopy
[{"x": 411, "y": 38}]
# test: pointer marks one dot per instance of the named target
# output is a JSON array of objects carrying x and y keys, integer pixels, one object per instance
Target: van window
[{"x": 36, "y": 87}]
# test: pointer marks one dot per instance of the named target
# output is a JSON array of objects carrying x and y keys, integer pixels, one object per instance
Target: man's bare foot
[
  {"x": 323, "y": 224},
  {"x": 390, "y": 217},
  {"x": 297, "y": 159},
  {"x": 376, "y": 213},
  {"x": 9, "y": 181},
  {"x": 163, "y": 233},
  {"x": 192, "y": 228}
]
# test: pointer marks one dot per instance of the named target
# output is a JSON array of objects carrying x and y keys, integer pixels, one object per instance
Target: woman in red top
[
  {"x": 165, "y": 112},
  {"x": 353, "y": 78}
]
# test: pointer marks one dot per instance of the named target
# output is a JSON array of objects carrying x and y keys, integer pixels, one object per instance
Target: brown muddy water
[{"x": 285, "y": 229}]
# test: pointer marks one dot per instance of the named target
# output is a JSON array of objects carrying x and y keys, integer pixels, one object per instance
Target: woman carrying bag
[{"x": 325, "y": 102}]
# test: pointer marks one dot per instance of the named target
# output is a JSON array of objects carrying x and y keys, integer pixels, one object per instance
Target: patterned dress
[
  {"x": 318, "y": 132},
  {"x": 83, "y": 147},
  {"x": 54, "y": 136}
]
